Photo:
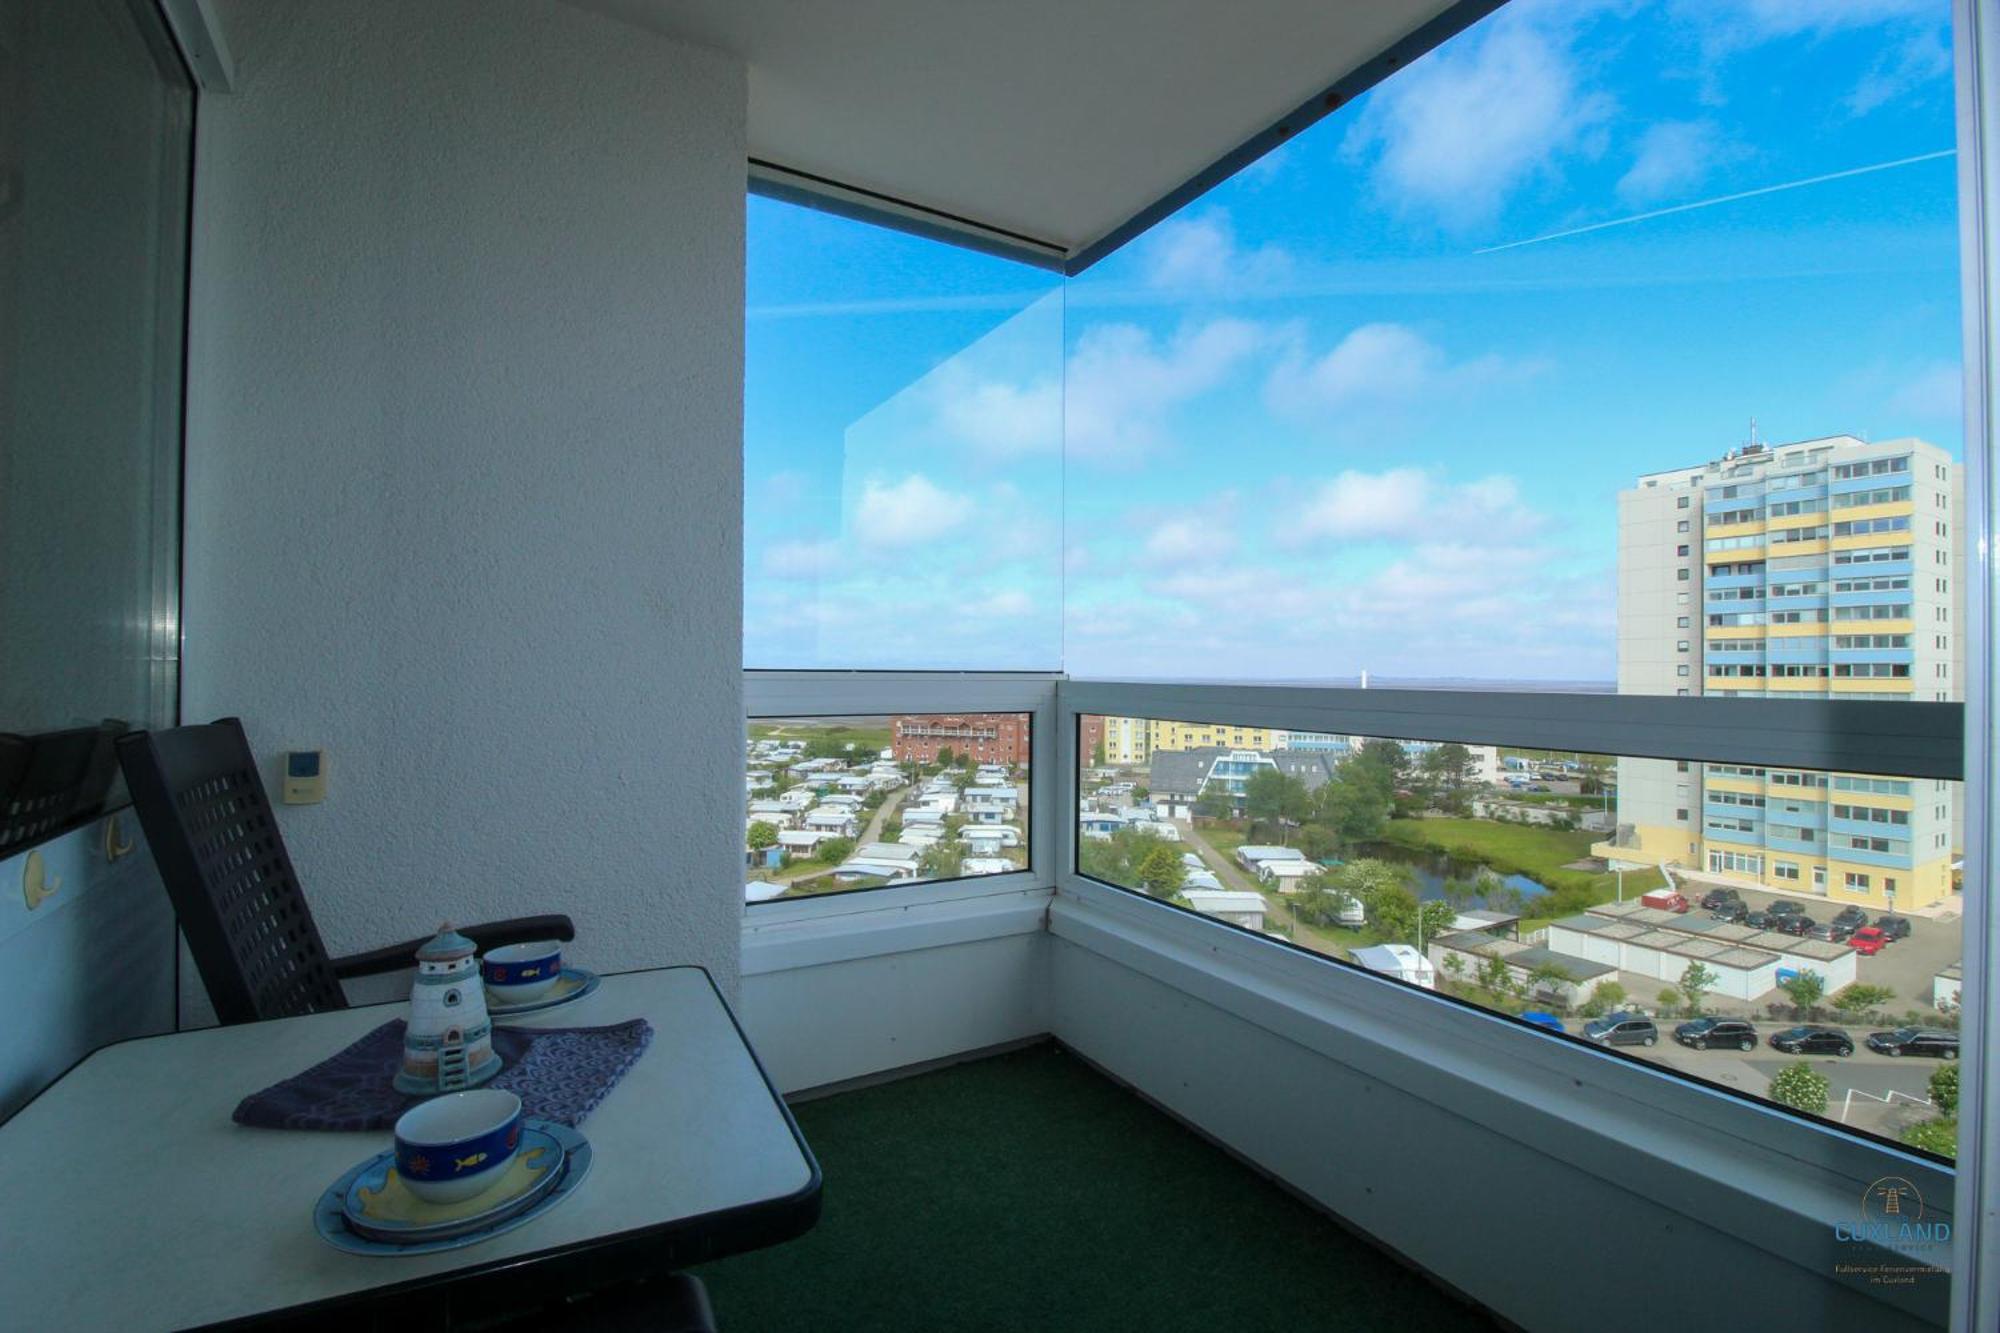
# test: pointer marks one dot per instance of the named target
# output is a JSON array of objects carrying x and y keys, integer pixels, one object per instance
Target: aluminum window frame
[
  {"x": 829, "y": 694},
  {"x": 1810, "y": 1171}
]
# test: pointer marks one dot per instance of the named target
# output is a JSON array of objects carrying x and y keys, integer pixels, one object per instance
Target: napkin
[{"x": 560, "y": 1074}]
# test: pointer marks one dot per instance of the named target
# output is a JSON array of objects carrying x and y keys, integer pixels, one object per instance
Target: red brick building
[
  {"x": 1090, "y": 735},
  {"x": 990, "y": 738}
]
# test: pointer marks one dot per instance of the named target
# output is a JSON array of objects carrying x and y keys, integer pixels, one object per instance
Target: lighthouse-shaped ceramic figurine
[{"x": 448, "y": 1045}]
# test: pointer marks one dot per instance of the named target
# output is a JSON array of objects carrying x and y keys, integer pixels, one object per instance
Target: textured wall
[{"x": 464, "y": 463}]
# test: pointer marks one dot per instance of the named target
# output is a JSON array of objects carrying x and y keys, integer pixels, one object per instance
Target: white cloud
[
  {"x": 1924, "y": 58},
  {"x": 1010, "y": 604},
  {"x": 1672, "y": 158},
  {"x": 1455, "y": 135},
  {"x": 1006, "y": 420},
  {"x": 908, "y": 513},
  {"x": 1192, "y": 540},
  {"x": 1123, "y": 384},
  {"x": 1378, "y": 365},
  {"x": 1409, "y": 504},
  {"x": 1746, "y": 23},
  {"x": 801, "y": 559},
  {"x": 1936, "y": 392},
  {"x": 1201, "y": 253}
]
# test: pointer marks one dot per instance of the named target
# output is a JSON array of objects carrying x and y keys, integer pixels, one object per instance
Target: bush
[
  {"x": 1939, "y": 1136},
  {"x": 1800, "y": 1087},
  {"x": 1670, "y": 999},
  {"x": 1944, "y": 1090}
]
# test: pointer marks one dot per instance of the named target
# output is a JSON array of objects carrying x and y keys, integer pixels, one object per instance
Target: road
[
  {"x": 1278, "y": 912},
  {"x": 869, "y": 834}
]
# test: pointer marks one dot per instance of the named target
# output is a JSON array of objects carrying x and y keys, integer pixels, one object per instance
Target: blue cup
[
  {"x": 519, "y": 973},
  {"x": 459, "y": 1145}
]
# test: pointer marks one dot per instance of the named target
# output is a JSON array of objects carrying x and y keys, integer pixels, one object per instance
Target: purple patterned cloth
[{"x": 560, "y": 1074}]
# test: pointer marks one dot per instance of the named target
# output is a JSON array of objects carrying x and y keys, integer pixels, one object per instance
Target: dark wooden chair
[{"x": 206, "y": 816}]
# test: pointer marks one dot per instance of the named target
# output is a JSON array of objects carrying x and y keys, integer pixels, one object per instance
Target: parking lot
[{"x": 1906, "y": 967}]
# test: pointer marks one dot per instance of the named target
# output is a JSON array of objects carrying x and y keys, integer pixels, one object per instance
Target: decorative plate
[
  {"x": 379, "y": 1204},
  {"x": 574, "y": 984},
  {"x": 330, "y": 1214}
]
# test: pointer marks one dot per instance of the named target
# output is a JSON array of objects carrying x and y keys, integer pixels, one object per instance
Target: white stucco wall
[{"x": 464, "y": 464}]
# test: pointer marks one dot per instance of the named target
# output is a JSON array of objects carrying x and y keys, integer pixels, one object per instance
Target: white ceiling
[{"x": 1052, "y": 120}]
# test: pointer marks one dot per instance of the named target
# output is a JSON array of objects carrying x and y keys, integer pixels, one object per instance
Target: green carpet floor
[{"x": 1026, "y": 1191}]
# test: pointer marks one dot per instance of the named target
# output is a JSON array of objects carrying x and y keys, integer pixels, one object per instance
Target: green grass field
[{"x": 1525, "y": 849}]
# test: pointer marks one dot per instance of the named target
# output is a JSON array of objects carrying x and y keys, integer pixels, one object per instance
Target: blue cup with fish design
[
  {"x": 519, "y": 973},
  {"x": 457, "y": 1146}
]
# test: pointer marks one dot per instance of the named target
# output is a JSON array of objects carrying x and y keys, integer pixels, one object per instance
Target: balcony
[{"x": 421, "y": 385}]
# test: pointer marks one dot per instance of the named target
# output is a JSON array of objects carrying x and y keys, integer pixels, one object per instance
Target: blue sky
[{"x": 1334, "y": 415}]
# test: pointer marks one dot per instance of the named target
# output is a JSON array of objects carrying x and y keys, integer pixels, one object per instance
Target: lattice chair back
[{"x": 211, "y": 830}]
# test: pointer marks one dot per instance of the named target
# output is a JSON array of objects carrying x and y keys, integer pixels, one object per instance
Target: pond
[{"x": 1433, "y": 868}]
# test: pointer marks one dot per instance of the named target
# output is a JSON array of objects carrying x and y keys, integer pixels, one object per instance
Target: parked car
[
  {"x": 1761, "y": 920},
  {"x": 1934, "y": 1042},
  {"x": 1702, "y": 1033},
  {"x": 1851, "y": 917},
  {"x": 1810, "y": 1039},
  {"x": 1622, "y": 1029},
  {"x": 1795, "y": 924},
  {"x": 1784, "y": 907},
  {"x": 1895, "y": 927},
  {"x": 1833, "y": 932},
  {"x": 1868, "y": 940},
  {"x": 1542, "y": 1019},
  {"x": 1715, "y": 898},
  {"x": 1733, "y": 911}
]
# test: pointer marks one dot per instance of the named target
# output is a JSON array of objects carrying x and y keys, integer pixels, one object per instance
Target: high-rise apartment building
[{"x": 1829, "y": 568}]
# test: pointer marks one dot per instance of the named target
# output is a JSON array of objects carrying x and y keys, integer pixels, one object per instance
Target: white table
[{"x": 129, "y": 1200}]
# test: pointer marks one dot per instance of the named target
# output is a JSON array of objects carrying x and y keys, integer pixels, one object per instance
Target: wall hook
[
  {"x": 37, "y": 886},
  {"x": 117, "y": 842}
]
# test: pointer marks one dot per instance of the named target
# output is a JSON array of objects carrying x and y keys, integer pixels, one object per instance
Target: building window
[
  {"x": 1857, "y": 882},
  {"x": 1682, "y": 669},
  {"x": 1682, "y": 574},
  {"x": 1681, "y": 526},
  {"x": 1681, "y": 502}
]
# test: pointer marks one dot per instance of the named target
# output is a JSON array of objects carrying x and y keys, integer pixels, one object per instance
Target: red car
[{"x": 1868, "y": 939}]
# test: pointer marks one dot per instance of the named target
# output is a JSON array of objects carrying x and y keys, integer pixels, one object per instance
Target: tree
[
  {"x": 1446, "y": 772},
  {"x": 1944, "y": 1090},
  {"x": 942, "y": 860},
  {"x": 1391, "y": 757},
  {"x": 1214, "y": 803},
  {"x": 1551, "y": 976},
  {"x": 1604, "y": 997},
  {"x": 760, "y": 836},
  {"x": 1161, "y": 873},
  {"x": 1278, "y": 798},
  {"x": 945, "y": 757},
  {"x": 1495, "y": 976},
  {"x": 1806, "y": 989},
  {"x": 1356, "y": 801},
  {"x": 1859, "y": 999},
  {"x": 1318, "y": 842},
  {"x": 835, "y": 850},
  {"x": 1800, "y": 1087},
  {"x": 1434, "y": 918},
  {"x": 1392, "y": 909},
  {"x": 1097, "y": 755},
  {"x": 1670, "y": 999},
  {"x": 1454, "y": 963},
  {"x": 1697, "y": 981}
]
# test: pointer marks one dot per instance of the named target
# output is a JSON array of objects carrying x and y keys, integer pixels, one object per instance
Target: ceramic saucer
[
  {"x": 369, "y": 1211},
  {"x": 573, "y": 984}
]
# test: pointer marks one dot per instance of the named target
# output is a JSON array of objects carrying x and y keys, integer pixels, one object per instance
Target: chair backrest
[{"x": 210, "y": 826}]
